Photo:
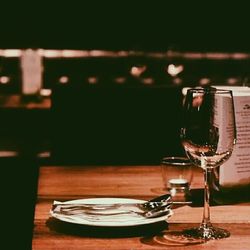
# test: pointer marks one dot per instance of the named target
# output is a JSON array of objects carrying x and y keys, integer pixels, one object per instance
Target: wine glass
[{"x": 208, "y": 136}]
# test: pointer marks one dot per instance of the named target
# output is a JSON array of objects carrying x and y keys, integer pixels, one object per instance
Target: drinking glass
[
  {"x": 177, "y": 176},
  {"x": 208, "y": 136}
]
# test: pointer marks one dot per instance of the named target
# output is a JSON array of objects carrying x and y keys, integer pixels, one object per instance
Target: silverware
[
  {"x": 149, "y": 209},
  {"x": 93, "y": 215}
]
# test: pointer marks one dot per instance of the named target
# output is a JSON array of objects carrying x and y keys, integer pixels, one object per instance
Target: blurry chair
[
  {"x": 19, "y": 176},
  {"x": 18, "y": 196}
]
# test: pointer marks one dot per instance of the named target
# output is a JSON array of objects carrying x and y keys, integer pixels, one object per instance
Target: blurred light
[
  {"x": 8, "y": 153},
  {"x": 177, "y": 81},
  {"x": 232, "y": 81},
  {"x": 52, "y": 53},
  {"x": 184, "y": 90},
  {"x": 204, "y": 81},
  {"x": 120, "y": 80},
  {"x": 45, "y": 154},
  {"x": 240, "y": 56},
  {"x": 102, "y": 53},
  {"x": 64, "y": 79},
  {"x": 174, "y": 70},
  {"x": 11, "y": 52},
  {"x": 45, "y": 92},
  {"x": 74, "y": 53},
  {"x": 217, "y": 56},
  {"x": 122, "y": 53},
  {"x": 4, "y": 79},
  {"x": 148, "y": 80},
  {"x": 193, "y": 55},
  {"x": 137, "y": 70},
  {"x": 92, "y": 80}
]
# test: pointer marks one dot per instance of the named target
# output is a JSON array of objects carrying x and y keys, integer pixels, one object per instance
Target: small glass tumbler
[{"x": 177, "y": 175}]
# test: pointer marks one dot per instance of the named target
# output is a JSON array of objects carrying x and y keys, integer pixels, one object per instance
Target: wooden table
[{"x": 143, "y": 182}]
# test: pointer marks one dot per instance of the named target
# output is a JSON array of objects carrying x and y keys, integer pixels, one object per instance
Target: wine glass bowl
[
  {"x": 197, "y": 154},
  {"x": 208, "y": 137}
]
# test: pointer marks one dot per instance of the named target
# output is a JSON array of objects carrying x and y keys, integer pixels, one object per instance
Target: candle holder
[{"x": 177, "y": 176}]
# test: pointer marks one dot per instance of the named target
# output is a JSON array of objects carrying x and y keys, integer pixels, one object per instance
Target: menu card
[{"x": 236, "y": 171}]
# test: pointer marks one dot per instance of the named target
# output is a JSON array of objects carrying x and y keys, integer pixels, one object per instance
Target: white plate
[{"x": 110, "y": 221}]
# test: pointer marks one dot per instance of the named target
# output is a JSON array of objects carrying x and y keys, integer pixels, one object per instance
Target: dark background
[
  {"x": 109, "y": 25},
  {"x": 115, "y": 25}
]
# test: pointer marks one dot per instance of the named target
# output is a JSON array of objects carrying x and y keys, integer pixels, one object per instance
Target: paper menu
[
  {"x": 236, "y": 171},
  {"x": 223, "y": 125}
]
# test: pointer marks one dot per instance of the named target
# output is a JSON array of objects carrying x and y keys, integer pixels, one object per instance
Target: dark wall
[
  {"x": 146, "y": 25},
  {"x": 115, "y": 125}
]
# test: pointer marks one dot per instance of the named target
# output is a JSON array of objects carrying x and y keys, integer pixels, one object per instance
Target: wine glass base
[
  {"x": 206, "y": 233},
  {"x": 178, "y": 238}
]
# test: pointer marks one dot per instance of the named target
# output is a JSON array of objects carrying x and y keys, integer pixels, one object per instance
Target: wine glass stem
[{"x": 206, "y": 210}]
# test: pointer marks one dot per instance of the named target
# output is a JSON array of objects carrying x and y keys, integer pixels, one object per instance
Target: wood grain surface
[{"x": 143, "y": 182}]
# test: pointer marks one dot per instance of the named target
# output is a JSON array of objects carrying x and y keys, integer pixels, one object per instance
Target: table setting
[{"x": 150, "y": 206}]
